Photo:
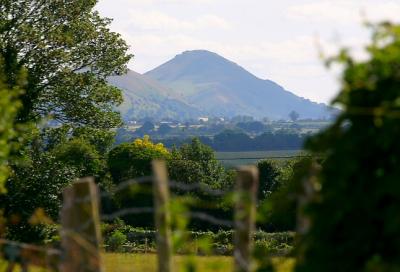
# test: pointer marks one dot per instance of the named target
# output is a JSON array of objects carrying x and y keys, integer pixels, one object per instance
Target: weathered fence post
[
  {"x": 162, "y": 216},
  {"x": 80, "y": 233},
  {"x": 245, "y": 213}
]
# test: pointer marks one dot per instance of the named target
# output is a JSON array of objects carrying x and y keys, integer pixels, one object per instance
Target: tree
[
  {"x": 36, "y": 184},
  {"x": 8, "y": 110},
  {"x": 269, "y": 173},
  {"x": 164, "y": 129},
  {"x": 294, "y": 116},
  {"x": 354, "y": 212},
  {"x": 67, "y": 51},
  {"x": 279, "y": 208},
  {"x": 132, "y": 160},
  {"x": 147, "y": 128},
  {"x": 81, "y": 155},
  {"x": 252, "y": 127},
  {"x": 195, "y": 164}
]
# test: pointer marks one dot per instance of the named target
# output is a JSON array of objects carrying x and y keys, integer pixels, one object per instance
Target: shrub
[
  {"x": 354, "y": 212},
  {"x": 116, "y": 241}
]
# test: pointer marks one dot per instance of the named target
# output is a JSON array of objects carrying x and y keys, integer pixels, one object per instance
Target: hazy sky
[{"x": 273, "y": 39}]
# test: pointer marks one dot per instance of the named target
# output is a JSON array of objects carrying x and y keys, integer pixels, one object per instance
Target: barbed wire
[
  {"x": 210, "y": 219},
  {"x": 197, "y": 186},
  {"x": 126, "y": 211}
]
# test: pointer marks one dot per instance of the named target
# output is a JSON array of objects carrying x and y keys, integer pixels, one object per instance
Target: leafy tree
[
  {"x": 131, "y": 160},
  {"x": 67, "y": 51},
  {"x": 252, "y": 127},
  {"x": 229, "y": 140},
  {"x": 79, "y": 154},
  {"x": 101, "y": 140},
  {"x": 354, "y": 213},
  {"x": 8, "y": 111},
  {"x": 294, "y": 116},
  {"x": 164, "y": 129},
  {"x": 147, "y": 128},
  {"x": 269, "y": 173},
  {"x": 196, "y": 163},
  {"x": 279, "y": 208},
  {"x": 33, "y": 185}
]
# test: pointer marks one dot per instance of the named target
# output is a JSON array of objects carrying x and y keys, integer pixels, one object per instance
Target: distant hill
[
  {"x": 201, "y": 83},
  {"x": 220, "y": 87},
  {"x": 144, "y": 97}
]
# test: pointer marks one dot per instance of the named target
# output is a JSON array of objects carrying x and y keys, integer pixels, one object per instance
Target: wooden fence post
[
  {"x": 245, "y": 213},
  {"x": 162, "y": 216},
  {"x": 80, "y": 232}
]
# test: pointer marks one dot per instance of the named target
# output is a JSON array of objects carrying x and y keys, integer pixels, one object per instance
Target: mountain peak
[
  {"x": 199, "y": 52},
  {"x": 195, "y": 63},
  {"x": 222, "y": 88}
]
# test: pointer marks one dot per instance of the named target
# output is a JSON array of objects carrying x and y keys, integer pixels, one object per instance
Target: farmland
[{"x": 233, "y": 159}]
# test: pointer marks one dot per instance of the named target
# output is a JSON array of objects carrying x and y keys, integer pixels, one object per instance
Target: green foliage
[
  {"x": 253, "y": 127},
  {"x": 34, "y": 184},
  {"x": 116, "y": 241},
  {"x": 236, "y": 141},
  {"x": 196, "y": 163},
  {"x": 68, "y": 51},
  {"x": 79, "y": 154},
  {"x": 132, "y": 160},
  {"x": 8, "y": 110},
  {"x": 294, "y": 115},
  {"x": 354, "y": 213},
  {"x": 221, "y": 242},
  {"x": 269, "y": 172},
  {"x": 278, "y": 211}
]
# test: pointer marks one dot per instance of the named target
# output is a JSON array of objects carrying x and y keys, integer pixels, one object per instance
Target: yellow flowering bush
[
  {"x": 147, "y": 144},
  {"x": 132, "y": 160}
]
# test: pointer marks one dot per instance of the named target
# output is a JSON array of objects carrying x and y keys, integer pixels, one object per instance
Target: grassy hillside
[
  {"x": 144, "y": 97},
  {"x": 223, "y": 88}
]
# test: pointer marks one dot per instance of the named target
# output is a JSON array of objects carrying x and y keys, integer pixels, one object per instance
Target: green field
[
  {"x": 232, "y": 159},
  {"x": 115, "y": 262}
]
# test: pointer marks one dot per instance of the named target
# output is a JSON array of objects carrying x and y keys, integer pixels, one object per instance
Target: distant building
[
  {"x": 203, "y": 119},
  {"x": 131, "y": 122}
]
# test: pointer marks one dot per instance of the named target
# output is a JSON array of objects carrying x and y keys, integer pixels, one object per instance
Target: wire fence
[{"x": 81, "y": 216}]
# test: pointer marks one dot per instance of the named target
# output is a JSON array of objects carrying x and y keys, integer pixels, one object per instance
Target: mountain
[
  {"x": 145, "y": 97},
  {"x": 219, "y": 87}
]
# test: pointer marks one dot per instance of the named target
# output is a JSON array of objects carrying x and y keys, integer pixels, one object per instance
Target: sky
[{"x": 276, "y": 40}]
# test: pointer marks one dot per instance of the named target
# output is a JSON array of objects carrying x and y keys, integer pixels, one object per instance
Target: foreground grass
[
  {"x": 148, "y": 262},
  {"x": 115, "y": 262}
]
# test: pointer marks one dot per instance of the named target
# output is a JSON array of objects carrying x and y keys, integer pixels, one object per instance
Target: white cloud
[
  {"x": 156, "y": 20},
  {"x": 345, "y": 11},
  {"x": 147, "y": 2}
]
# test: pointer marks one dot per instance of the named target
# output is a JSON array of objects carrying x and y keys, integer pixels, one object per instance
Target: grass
[
  {"x": 148, "y": 263},
  {"x": 232, "y": 159}
]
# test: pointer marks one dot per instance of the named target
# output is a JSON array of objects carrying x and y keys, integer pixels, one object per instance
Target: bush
[
  {"x": 221, "y": 242},
  {"x": 131, "y": 160},
  {"x": 354, "y": 212},
  {"x": 116, "y": 241}
]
